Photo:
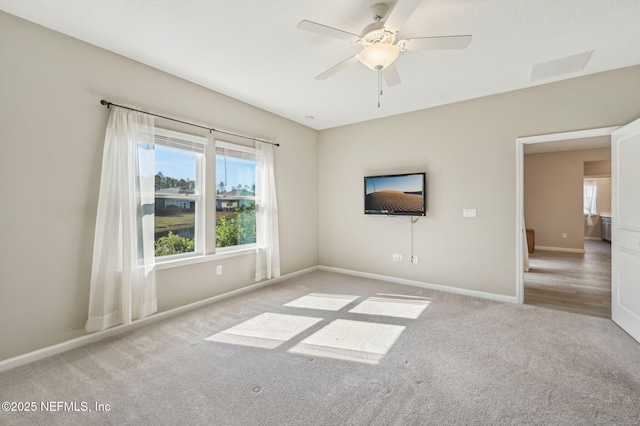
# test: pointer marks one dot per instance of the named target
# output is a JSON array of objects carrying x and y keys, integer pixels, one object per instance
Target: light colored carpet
[{"x": 331, "y": 349}]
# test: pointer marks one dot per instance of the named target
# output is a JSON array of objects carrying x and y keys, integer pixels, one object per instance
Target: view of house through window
[
  {"x": 176, "y": 200},
  {"x": 180, "y": 211},
  {"x": 235, "y": 195}
]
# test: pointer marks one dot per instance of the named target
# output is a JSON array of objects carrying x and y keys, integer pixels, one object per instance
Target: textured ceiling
[{"x": 252, "y": 50}]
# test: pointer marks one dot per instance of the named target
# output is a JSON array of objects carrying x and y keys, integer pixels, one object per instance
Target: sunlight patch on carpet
[
  {"x": 391, "y": 307},
  {"x": 266, "y": 330},
  {"x": 351, "y": 340},
  {"x": 325, "y": 302}
]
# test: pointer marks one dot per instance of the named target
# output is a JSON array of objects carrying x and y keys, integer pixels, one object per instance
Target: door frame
[{"x": 520, "y": 143}]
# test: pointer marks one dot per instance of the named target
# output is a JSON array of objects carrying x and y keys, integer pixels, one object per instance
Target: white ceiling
[{"x": 252, "y": 50}]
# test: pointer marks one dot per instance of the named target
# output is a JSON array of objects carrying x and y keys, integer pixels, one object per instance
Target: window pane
[
  {"x": 235, "y": 174},
  {"x": 175, "y": 169},
  {"x": 235, "y": 202},
  {"x": 237, "y": 226},
  {"x": 175, "y": 211},
  {"x": 175, "y": 226}
]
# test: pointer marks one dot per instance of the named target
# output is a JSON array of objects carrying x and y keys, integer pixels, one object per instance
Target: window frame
[
  {"x": 199, "y": 194},
  {"x": 251, "y": 153},
  {"x": 205, "y": 197}
]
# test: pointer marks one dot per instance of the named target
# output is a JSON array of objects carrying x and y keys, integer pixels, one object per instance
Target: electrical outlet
[
  {"x": 219, "y": 270},
  {"x": 397, "y": 257},
  {"x": 414, "y": 259},
  {"x": 564, "y": 235}
]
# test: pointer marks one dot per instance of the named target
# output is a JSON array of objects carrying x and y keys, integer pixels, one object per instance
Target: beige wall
[
  {"x": 553, "y": 196},
  {"x": 597, "y": 168},
  {"x": 603, "y": 195},
  {"x": 51, "y": 136},
  {"x": 469, "y": 153}
]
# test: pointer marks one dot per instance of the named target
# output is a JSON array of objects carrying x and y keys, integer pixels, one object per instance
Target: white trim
[
  {"x": 200, "y": 258},
  {"x": 562, "y": 249},
  {"x": 438, "y": 287},
  {"x": 577, "y": 134},
  {"x": 520, "y": 142},
  {"x": 240, "y": 248},
  {"x": 520, "y": 230},
  {"x": 200, "y": 140},
  {"x": 234, "y": 147},
  {"x": 199, "y": 229},
  {"x": 119, "y": 329}
]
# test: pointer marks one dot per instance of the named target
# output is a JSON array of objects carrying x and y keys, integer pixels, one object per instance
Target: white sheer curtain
[
  {"x": 590, "y": 187},
  {"x": 267, "y": 241},
  {"x": 123, "y": 284}
]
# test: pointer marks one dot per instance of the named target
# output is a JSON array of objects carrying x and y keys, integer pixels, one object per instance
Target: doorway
[
  {"x": 574, "y": 280},
  {"x": 571, "y": 282}
]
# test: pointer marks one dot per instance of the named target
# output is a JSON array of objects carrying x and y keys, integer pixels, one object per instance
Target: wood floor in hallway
[{"x": 572, "y": 282}]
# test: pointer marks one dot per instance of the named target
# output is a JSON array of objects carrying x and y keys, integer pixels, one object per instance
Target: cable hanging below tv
[{"x": 396, "y": 195}]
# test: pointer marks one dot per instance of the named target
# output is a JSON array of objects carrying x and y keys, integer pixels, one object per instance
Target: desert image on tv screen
[{"x": 394, "y": 193}]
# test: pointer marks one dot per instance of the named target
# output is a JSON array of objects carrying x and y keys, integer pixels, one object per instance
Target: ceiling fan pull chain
[{"x": 379, "y": 84}]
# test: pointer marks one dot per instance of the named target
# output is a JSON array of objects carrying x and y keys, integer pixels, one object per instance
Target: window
[
  {"x": 590, "y": 191},
  {"x": 179, "y": 202},
  {"x": 182, "y": 212},
  {"x": 235, "y": 195}
]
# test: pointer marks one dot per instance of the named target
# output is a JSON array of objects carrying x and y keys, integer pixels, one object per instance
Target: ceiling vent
[{"x": 558, "y": 67}]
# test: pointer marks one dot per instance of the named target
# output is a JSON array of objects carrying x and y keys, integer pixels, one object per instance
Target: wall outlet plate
[
  {"x": 219, "y": 270},
  {"x": 414, "y": 259},
  {"x": 469, "y": 213}
]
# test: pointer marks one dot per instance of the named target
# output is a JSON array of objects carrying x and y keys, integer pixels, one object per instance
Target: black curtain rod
[{"x": 210, "y": 129}]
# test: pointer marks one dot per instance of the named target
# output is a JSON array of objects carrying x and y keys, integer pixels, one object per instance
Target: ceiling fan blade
[
  {"x": 400, "y": 13},
  {"x": 335, "y": 69},
  {"x": 327, "y": 31},
  {"x": 435, "y": 43},
  {"x": 391, "y": 75}
]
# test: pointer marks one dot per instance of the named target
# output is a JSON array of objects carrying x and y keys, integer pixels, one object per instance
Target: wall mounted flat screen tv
[{"x": 403, "y": 194}]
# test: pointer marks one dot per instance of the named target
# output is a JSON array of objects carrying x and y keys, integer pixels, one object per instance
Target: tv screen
[{"x": 395, "y": 194}]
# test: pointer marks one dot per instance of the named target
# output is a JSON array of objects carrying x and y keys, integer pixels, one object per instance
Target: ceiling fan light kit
[
  {"x": 379, "y": 56},
  {"x": 377, "y": 40}
]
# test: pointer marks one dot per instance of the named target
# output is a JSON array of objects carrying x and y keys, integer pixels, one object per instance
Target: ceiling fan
[{"x": 377, "y": 39}]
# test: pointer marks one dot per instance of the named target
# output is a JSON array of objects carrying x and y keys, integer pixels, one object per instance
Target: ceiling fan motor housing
[{"x": 375, "y": 33}]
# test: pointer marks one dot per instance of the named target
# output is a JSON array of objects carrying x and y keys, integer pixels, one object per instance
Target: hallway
[{"x": 572, "y": 282}]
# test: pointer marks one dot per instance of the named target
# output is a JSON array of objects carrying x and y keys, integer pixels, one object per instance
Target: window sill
[{"x": 191, "y": 260}]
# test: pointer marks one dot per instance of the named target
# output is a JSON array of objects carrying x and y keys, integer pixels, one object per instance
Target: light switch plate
[{"x": 469, "y": 213}]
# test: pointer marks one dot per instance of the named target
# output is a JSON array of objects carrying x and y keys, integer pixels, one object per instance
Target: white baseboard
[
  {"x": 119, "y": 329},
  {"x": 447, "y": 289},
  {"x": 562, "y": 249}
]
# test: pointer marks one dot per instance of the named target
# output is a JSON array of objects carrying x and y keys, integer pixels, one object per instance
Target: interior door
[{"x": 625, "y": 225}]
